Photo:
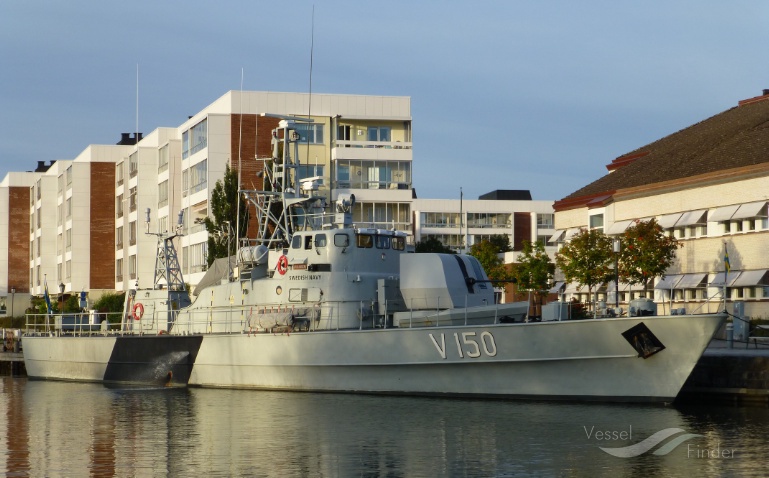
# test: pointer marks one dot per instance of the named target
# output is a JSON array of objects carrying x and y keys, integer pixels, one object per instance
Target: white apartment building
[
  {"x": 461, "y": 223},
  {"x": 707, "y": 186},
  {"x": 149, "y": 178},
  {"x": 47, "y": 208}
]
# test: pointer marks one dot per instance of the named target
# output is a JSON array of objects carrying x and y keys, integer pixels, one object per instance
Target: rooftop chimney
[{"x": 129, "y": 138}]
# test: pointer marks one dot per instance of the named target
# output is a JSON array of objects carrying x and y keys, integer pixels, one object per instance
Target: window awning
[
  {"x": 570, "y": 232},
  {"x": 692, "y": 217},
  {"x": 618, "y": 227},
  {"x": 723, "y": 213},
  {"x": 717, "y": 279},
  {"x": 556, "y": 237},
  {"x": 669, "y": 282},
  {"x": 750, "y": 278},
  {"x": 752, "y": 209},
  {"x": 669, "y": 220},
  {"x": 623, "y": 287},
  {"x": 557, "y": 288},
  {"x": 573, "y": 288},
  {"x": 691, "y": 281}
]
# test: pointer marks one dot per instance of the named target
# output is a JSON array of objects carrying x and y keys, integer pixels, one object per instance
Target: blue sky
[{"x": 505, "y": 95}]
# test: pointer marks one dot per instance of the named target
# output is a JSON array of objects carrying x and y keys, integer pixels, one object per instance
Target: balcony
[{"x": 372, "y": 150}]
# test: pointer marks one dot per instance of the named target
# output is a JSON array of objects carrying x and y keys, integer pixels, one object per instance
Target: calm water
[{"x": 68, "y": 429}]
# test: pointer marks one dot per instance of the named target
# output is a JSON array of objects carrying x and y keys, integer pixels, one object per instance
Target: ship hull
[{"x": 588, "y": 360}]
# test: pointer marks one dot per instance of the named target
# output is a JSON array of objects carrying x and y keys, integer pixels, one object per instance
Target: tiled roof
[{"x": 736, "y": 138}]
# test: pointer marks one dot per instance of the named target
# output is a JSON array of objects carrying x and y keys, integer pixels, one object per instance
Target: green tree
[
  {"x": 110, "y": 302},
  {"x": 587, "y": 259},
  {"x": 488, "y": 255},
  {"x": 432, "y": 244},
  {"x": 224, "y": 204},
  {"x": 501, "y": 242},
  {"x": 534, "y": 270},
  {"x": 646, "y": 252}
]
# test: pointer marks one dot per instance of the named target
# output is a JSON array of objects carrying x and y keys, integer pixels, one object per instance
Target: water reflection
[{"x": 68, "y": 429}]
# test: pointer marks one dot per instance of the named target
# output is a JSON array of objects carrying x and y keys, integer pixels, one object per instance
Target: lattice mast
[{"x": 167, "y": 265}]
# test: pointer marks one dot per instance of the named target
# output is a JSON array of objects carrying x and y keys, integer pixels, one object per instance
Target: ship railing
[{"x": 75, "y": 324}]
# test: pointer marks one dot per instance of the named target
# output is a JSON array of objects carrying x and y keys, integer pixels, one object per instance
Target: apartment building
[
  {"x": 354, "y": 144},
  {"x": 461, "y": 223},
  {"x": 84, "y": 217},
  {"x": 15, "y": 244},
  {"x": 147, "y": 179},
  {"x": 46, "y": 210},
  {"x": 707, "y": 186}
]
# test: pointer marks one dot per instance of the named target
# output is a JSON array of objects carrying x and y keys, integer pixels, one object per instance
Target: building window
[
  {"x": 440, "y": 219},
  {"x": 119, "y": 270},
  {"x": 132, "y": 199},
  {"x": 132, "y": 233},
  {"x": 197, "y": 259},
  {"x": 186, "y": 144},
  {"x": 379, "y": 133},
  {"x": 484, "y": 219},
  {"x": 119, "y": 238},
  {"x": 596, "y": 222},
  {"x": 450, "y": 240},
  {"x": 195, "y": 178},
  {"x": 310, "y": 133},
  {"x": 343, "y": 132},
  {"x": 68, "y": 238},
  {"x": 119, "y": 173},
  {"x": 358, "y": 174},
  {"x": 119, "y": 206},
  {"x": 383, "y": 215},
  {"x": 163, "y": 194},
  {"x": 69, "y": 177},
  {"x": 132, "y": 267},
  {"x": 69, "y": 208},
  {"x": 163, "y": 159},
  {"x": 195, "y": 139},
  {"x": 545, "y": 221},
  {"x": 133, "y": 165}
]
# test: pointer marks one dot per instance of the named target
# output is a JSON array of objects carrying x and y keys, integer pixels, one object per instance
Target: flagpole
[{"x": 727, "y": 266}]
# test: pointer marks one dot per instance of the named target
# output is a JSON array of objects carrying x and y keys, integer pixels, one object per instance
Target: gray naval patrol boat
[{"x": 317, "y": 303}]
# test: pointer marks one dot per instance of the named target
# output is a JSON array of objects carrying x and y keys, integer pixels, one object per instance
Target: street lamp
[
  {"x": 61, "y": 297},
  {"x": 616, "y": 272}
]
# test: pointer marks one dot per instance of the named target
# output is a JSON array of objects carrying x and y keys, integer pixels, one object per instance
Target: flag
[
  {"x": 727, "y": 266},
  {"x": 47, "y": 297}
]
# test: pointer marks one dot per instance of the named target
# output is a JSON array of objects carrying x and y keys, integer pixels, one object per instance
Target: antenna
[
  {"x": 309, "y": 101},
  {"x": 240, "y": 155},
  {"x": 136, "y": 134}
]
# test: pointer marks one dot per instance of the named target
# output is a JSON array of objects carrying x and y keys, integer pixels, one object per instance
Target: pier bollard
[{"x": 730, "y": 335}]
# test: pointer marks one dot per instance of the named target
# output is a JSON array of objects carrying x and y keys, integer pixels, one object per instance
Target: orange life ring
[
  {"x": 138, "y": 311},
  {"x": 282, "y": 265}
]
